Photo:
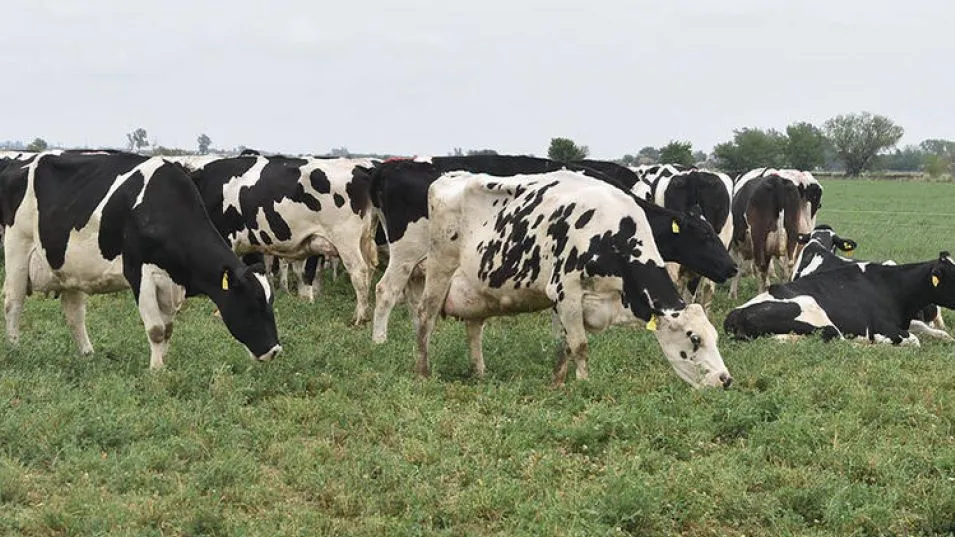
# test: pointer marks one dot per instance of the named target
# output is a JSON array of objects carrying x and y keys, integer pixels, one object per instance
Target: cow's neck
[
  {"x": 911, "y": 285},
  {"x": 647, "y": 288}
]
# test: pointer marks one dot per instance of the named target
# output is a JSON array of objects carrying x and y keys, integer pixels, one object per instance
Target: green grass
[{"x": 336, "y": 437}]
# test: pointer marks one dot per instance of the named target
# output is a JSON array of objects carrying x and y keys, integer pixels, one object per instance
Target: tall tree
[
  {"x": 806, "y": 147},
  {"x": 137, "y": 139},
  {"x": 565, "y": 150},
  {"x": 699, "y": 156},
  {"x": 37, "y": 145},
  {"x": 908, "y": 159},
  {"x": 677, "y": 152},
  {"x": 751, "y": 148},
  {"x": 648, "y": 155},
  {"x": 472, "y": 152},
  {"x": 204, "y": 142},
  {"x": 858, "y": 138}
]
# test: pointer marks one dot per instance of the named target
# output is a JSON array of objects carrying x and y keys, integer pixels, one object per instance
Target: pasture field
[{"x": 336, "y": 437}]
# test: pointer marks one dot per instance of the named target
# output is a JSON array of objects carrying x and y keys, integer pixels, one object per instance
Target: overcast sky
[{"x": 424, "y": 76}]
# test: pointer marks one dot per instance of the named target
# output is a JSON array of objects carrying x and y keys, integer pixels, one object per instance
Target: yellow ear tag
[
  {"x": 225, "y": 281},
  {"x": 934, "y": 280},
  {"x": 676, "y": 227},
  {"x": 849, "y": 253},
  {"x": 652, "y": 323}
]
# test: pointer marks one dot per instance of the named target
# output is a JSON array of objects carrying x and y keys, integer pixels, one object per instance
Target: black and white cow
[
  {"x": 81, "y": 223},
  {"x": 771, "y": 208},
  {"x": 819, "y": 255},
  {"x": 859, "y": 300},
  {"x": 562, "y": 240},
  {"x": 679, "y": 188},
  {"x": 295, "y": 208},
  {"x": 399, "y": 192}
]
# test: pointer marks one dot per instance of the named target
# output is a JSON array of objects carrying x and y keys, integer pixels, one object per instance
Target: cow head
[
  {"x": 824, "y": 236},
  {"x": 943, "y": 280},
  {"x": 245, "y": 302},
  {"x": 688, "y": 340},
  {"x": 691, "y": 241}
]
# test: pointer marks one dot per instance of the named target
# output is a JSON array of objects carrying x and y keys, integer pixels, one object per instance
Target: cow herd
[{"x": 596, "y": 243}]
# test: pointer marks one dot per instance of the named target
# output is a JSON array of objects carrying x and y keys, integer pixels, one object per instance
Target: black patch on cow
[
  {"x": 65, "y": 207},
  {"x": 112, "y": 223},
  {"x": 584, "y": 218},
  {"x": 265, "y": 238},
  {"x": 320, "y": 182},
  {"x": 339, "y": 200},
  {"x": 13, "y": 187},
  {"x": 454, "y": 237}
]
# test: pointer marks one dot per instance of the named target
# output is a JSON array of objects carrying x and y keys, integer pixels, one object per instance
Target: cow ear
[{"x": 848, "y": 245}]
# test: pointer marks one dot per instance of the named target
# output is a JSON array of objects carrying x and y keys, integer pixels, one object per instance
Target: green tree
[
  {"x": 204, "y": 143},
  {"x": 37, "y": 145},
  {"x": 628, "y": 160},
  {"x": 341, "y": 152},
  {"x": 648, "y": 155},
  {"x": 936, "y": 165},
  {"x": 751, "y": 148},
  {"x": 677, "y": 152},
  {"x": 942, "y": 148},
  {"x": 137, "y": 139},
  {"x": 472, "y": 152},
  {"x": 699, "y": 156},
  {"x": 565, "y": 150},
  {"x": 858, "y": 138},
  {"x": 161, "y": 151},
  {"x": 805, "y": 147},
  {"x": 908, "y": 159}
]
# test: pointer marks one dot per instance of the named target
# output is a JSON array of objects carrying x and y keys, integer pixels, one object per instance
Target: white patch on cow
[
  {"x": 811, "y": 267},
  {"x": 423, "y": 158},
  {"x": 232, "y": 187},
  {"x": 147, "y": 168},
  {"x": 810, "y": 312},
  {"x": 264, "y": 282},
  {"x": 862, "y": 266}
]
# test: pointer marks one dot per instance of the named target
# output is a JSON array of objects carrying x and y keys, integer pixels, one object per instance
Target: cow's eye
[{"x": 696, "y": 341}]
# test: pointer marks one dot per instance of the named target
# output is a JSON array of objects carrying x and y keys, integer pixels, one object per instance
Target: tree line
[{"x": 849, "y": 143}]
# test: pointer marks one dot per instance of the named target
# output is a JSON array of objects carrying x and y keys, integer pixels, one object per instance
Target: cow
[
  {"x": 81, "y": 223},
  {"x": 770, "y": 210},
  {"x": 819, "y": 255},
  {"x": 294, "y": 208},
  {"x": 561, "y": 240},
  {"x": 859, "y": 300},
  {"x": 399, "y": 193}
]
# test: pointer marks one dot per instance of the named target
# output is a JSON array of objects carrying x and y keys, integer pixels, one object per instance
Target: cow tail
[{"x": 369, "y": 250}]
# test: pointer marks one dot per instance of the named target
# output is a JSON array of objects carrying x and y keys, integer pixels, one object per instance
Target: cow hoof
[{"x": 379, "y": 338}]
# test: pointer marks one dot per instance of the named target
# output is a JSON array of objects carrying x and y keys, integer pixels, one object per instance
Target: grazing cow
[
  {"x": 506, "y": 245},
  {"x": 295, "y": 208},
  {"x": 770, "y": 210},
  {"x": 819, "y": 255},
  {"x": 399, "y": 192},
  {"x": 101, "y": 222},
  {"x": 865, "y": 300}
]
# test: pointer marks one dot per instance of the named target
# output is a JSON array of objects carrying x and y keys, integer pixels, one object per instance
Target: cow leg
[
  {"x": 74, "y": 309},
  {"x": 436, "y": 286},
  {"x": 305, "y": 278},
  {"x": 938, "y": 322},
  {"x": 926, "y": 330},
  {"x": 475, "y": 334},
  {"x": 283, "y": 275},
  {"x": 16, "y": 282},
  {"x": 387, "y": 293},
  {"x": 571, "y": 315},
  {"x": 360, "y": 276},
  {"x": 334, "y": 262},
  {"x": 159, "y": 301}
]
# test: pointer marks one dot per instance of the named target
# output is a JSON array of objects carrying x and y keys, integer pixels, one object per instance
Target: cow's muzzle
[
  {"x": 272, "y": 353},
  {"x": 726, "y": 379}
]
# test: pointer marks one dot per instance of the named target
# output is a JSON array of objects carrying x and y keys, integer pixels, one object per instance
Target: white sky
[{"x": 424, "y": 76}]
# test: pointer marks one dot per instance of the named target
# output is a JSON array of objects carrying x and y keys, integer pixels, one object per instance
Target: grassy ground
[{"x": 337, "y": 438}]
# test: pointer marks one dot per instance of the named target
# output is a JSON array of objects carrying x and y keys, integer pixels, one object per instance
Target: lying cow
[
  {"x": 506, "y": 245},
  {"x": 864, "y": 300},
  {"x": 295, "y": 208},
  {"x": 81, "y": 223},
  {"x": 819, "y": 255},
  {"x": 399, "y": 192},
  {"x": 770, "y": 210}
]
